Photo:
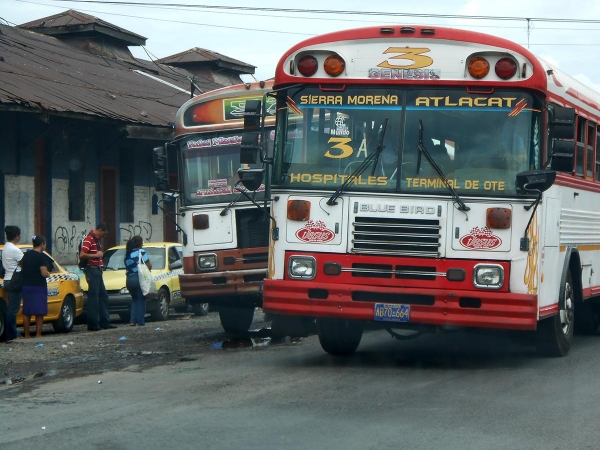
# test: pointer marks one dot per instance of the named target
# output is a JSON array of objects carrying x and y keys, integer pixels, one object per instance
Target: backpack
[{"x": 82, "y": 263}]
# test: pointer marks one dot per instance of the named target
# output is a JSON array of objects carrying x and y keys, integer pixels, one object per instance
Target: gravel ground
[{"x": 184, "y": 337}]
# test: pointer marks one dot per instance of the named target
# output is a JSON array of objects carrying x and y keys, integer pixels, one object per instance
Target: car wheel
[
  {"x": 64, "y": 323},
  {"x": 555, "y": 334},
  {"x": 339, "y": 336},
  {"x": 162, "y": 312},
  {"x": 200, "y": 309},
  {"x": 236, "y": 320}
]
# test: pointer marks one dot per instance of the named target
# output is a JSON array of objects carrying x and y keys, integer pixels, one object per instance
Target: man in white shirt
[{"x": 11, "y": 257}]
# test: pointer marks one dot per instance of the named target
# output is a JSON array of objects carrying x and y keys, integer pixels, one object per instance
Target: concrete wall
[
  {"x": 19, "y": 205},
  {"x": 101, "y": 146}
]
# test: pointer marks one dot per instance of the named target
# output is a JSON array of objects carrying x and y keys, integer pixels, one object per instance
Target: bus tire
[
  {"x": 339, "y": 337},
  {"x": 555, "y": 334},
  {"x": 236, "y": 320}
]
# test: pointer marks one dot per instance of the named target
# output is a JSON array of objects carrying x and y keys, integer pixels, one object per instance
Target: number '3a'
[{"x": 341, "y": 149}]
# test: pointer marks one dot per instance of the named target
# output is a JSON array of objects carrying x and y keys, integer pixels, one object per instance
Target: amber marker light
[
  {"x": 308, "y": 65},
  {"x": 498, "y": 218},
  {"x": 200, "y": 221},
  {"x": 478, "y": 67},
  {"x": 298, "y": 210},
  {"x": 334, "y": 65},
  {"x": 332, "y": 268}
]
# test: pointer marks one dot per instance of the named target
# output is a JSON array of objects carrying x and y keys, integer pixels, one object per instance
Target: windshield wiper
[
  {"x": 373, "y": 157},
  {"x": 228, "y": 207},
  {"x": 423, "y": 150}
]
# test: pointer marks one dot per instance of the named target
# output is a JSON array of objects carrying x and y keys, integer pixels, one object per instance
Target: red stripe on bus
[
  {"x": 572, "y": 181},
  {"x": 550, "y": 310}
]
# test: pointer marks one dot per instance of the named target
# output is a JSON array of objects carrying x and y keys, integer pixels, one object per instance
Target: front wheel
[
  {"x": 236, "y": 320},
  {"x": 555, "y": 334},
  {"x": 339, "y": 336},
  {"x": 162, "y": 312},
  {"x": 200, "y": 309},
  {"x": 64, "y": 323}
]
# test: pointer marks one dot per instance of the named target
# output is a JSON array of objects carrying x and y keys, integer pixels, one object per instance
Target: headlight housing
[
  {"x": 302, "y": 267},
  {"x": 207, "y": 262},
  {"x": 488, "y": 276}
]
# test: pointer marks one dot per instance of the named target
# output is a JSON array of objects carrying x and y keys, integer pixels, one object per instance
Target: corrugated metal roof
[
  {"x": 196, "y": 54},
  {"x": 72, "y": 19},
  {"x": 42, "y": 74}
]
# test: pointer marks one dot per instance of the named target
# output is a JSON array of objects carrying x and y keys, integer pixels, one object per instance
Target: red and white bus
[
  {"x": 225, "y": 236},
  {"x": 427, "y": 178}
]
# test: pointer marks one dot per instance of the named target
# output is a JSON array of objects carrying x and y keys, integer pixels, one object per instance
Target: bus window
[
  {"x": 589, "y": 150},
  {"x": 580, "y": 148},
  {"x": 597, "y": 153}
]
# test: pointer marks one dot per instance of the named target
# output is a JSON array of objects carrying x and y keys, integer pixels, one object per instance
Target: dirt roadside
[{"x": 184, "y": 337}]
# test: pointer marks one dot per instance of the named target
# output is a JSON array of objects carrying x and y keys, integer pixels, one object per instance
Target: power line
[
  {"x": 289, "y": 32},
  {"x": 329, "y": 11}
]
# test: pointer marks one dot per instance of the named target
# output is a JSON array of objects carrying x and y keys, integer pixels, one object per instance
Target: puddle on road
[{"x": 256, "y": 338}]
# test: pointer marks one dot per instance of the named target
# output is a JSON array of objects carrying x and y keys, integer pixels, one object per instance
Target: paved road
[{"x": 455, "y": 391}]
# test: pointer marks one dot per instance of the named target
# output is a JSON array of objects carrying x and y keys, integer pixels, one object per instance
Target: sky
[{"x": 260, "y": 38}]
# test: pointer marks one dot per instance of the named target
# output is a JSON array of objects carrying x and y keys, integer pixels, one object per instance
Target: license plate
[{"x": 391, "y": 313}]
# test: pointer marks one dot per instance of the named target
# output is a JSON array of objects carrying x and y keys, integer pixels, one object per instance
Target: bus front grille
[{"x": 393, "y": 236}]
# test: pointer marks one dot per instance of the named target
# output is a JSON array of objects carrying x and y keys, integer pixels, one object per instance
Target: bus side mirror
[
  {"x": 536, "y": 180},
  {"x": 252, "y": 115},
  {"x": 250, "y": 148},
  {"x": 159, "y": 159},
  {"x": 562, "y": 123},
  {"x": 251, "y": 179},
  {"x": 159, "y": 165},
  {"x": 563, "y": 156}
]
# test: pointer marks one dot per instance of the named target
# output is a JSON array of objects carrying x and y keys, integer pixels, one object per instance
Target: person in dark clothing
[
  {"x": 98, "y": 315},
  {"x": 11, "y": 261},
  {"x": 35, "y": 287},
  {"x": 134, "y": 255}
]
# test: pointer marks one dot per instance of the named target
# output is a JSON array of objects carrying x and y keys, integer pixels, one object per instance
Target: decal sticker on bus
[
  {"x": 315, "y": 231},
  {"x": 480, "y": 238}
]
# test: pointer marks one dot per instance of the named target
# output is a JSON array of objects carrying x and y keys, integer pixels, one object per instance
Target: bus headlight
[
  {"x": 303, "y": 267},
  {"x": 207, "y": 262},
  {"x": 488, "y": 276}
]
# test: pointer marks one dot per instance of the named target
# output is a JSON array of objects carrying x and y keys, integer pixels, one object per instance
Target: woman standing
[
  {"x": 35, "y": 288},
  {"x": 11, "y": 257},
  {"x": 134, "y": 255}
]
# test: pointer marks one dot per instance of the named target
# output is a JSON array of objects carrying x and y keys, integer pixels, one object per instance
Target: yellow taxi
[
  {"x": 166, "y": 267},
  {"x": 65, "y": 299}
]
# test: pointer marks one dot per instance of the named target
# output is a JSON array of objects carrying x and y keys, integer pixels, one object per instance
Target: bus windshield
[
  {"x": 210, "y": 162},
  {"x": 479, "y": 140}
]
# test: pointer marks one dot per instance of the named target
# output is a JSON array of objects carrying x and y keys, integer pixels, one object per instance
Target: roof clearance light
[
  {"x": 478, "y": 67},
  {"x": 506, "y": 68},
  {"x": 334, "y": 65},
  {"x": 308, "y": 65}
]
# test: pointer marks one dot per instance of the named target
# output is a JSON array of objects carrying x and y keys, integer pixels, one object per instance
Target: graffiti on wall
[
  {"x": 67, "y": 240},
  {"x": 143, "y": 229}
]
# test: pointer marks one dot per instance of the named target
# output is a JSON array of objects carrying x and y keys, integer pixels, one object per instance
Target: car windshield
[
  {"x": 479, "y": 140},
  {"x": 114, "y": 259}
]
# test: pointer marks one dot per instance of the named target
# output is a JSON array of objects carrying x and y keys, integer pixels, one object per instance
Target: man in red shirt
[{"x": 98, "y": 316}]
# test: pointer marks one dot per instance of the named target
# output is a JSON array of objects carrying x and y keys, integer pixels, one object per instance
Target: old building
[{"x": 79, "y": 116}]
